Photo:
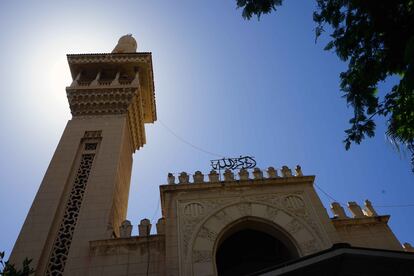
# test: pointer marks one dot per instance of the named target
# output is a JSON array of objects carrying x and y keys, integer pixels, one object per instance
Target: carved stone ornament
[
  {"x": 228, "y": 175},
  {"x": 286, "y": 172},
  {"x": 213, "y": 176},
  {"x": 295, "y": 203},
  {"x": 298, "y": 171},
  {"x": 272, "y": 172},
  {"x": 170, "y": 179},
  {"x": 258, "y": 174},
  {"x": 183, "y": 178},
  {"x": 63, "y": 240},
  {"x": 202, "y": 256},
  {"x": 125, "y": 229},
  {"x": 198, "y": 177},
  {"x": 193, "y": 209},
  {"x": 244, "y": 174}
]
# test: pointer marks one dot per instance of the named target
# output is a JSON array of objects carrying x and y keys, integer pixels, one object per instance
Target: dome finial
[{"x": 126, "y": 44}]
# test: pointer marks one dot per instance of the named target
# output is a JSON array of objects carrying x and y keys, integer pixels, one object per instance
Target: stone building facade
[{"x": 77, "y": 223}]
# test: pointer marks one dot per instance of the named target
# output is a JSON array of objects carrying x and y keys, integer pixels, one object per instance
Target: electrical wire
[
  {"x": 189, "y": 143},
  {"x": 376, "y": 206},
  {"x": 222, "y": 156}
]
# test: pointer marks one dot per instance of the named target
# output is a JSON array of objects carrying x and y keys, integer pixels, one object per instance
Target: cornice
[
  {"x": 90, "y": 101},
  {"x": 110, "y": 58}
]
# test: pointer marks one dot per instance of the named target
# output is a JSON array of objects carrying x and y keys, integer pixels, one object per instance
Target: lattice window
[
  {"x": 91, "y": 146},
  {"x": 63, "y": 240}
]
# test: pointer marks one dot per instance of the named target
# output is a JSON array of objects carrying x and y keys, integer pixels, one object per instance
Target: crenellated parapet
[
  {"x": 355, "y": 210},
  {"x": 114, "y": 84},
  {"x": 215, "y": 176},
  {"x": 144, "y": 228},
  {"x": 364, "y": 227}
]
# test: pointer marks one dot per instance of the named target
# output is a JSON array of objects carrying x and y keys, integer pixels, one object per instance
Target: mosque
[{"x": 235, "y": 221}]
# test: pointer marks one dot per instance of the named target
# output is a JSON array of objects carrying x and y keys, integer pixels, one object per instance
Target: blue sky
[{"x": 227, "y": 85}]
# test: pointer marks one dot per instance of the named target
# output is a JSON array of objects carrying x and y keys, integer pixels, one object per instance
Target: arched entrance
[{"x": 251, "y": 246}]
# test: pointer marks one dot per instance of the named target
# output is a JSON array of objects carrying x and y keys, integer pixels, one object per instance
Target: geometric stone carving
[
  {"x": 161, "y": 226},
  {"x": 183, "y": 178},
  {"x": 198, "y": 177},
  {"x": 202, "y": 256},
  {"x": 125, "y": 229},
  {"x": 286, "y": 172},
  {"x": 244, "y": 174},
  {"x": 193, "y": 209},
  {"x": 91, "y": 146},
  {"x": 228, "y": 175},
  {"x": 144, "y": 228},
  {"x": 369, "y": 210},
  {"x": 61, "y": 245},
  {"x": 258, "y": 174},
  {"x": 295, "y": 203},
  {"x": 271, "y": 172},
  {"x": 207, "y": 234},
  {"x": 213, "y": 176},
  {"x": 355, "y": 209},
  {"x": 338, "y": 211},
  {"x": 294, "y": 226},
  {"x": 93, "y": 134}
]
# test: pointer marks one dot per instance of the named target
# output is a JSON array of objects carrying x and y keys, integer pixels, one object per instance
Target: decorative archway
[
  {"x": 200, "y": 257},
  {"x": 251, "y": 245}
]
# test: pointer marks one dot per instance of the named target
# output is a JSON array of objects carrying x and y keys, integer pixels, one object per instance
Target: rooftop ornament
[
  {"x": 242, "y": 162},
  {"x": 126, "y": 44}
]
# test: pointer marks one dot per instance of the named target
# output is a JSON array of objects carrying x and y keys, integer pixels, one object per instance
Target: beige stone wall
[
  {"x": 371, "y": 232},
  {"x": 128, "y": 256}
]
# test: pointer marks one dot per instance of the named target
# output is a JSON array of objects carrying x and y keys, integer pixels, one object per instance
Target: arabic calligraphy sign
[{"x": 242, "y": 162}]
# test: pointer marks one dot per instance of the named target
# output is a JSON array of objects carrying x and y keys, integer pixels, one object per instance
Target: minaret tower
[{"x": 84, "y": 193}]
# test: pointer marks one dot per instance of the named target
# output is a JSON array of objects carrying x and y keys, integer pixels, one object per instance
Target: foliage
[
  {"x": 10, "y": 270},
  {"x": 376, "y": 38}
]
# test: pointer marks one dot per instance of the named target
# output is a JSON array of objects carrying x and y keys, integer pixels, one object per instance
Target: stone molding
[
  {"x": 117, "y": 246},
  {"x": 144, "y": 57},
  {"x": 338, "y": 222},
  {"x": 111, "y": 101}
]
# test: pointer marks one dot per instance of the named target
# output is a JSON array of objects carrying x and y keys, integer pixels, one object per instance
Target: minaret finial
[{"x": 126, "y": 44}]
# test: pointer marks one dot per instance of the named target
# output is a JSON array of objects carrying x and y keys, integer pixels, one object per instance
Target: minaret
[{"x": 84, "y": 193}]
